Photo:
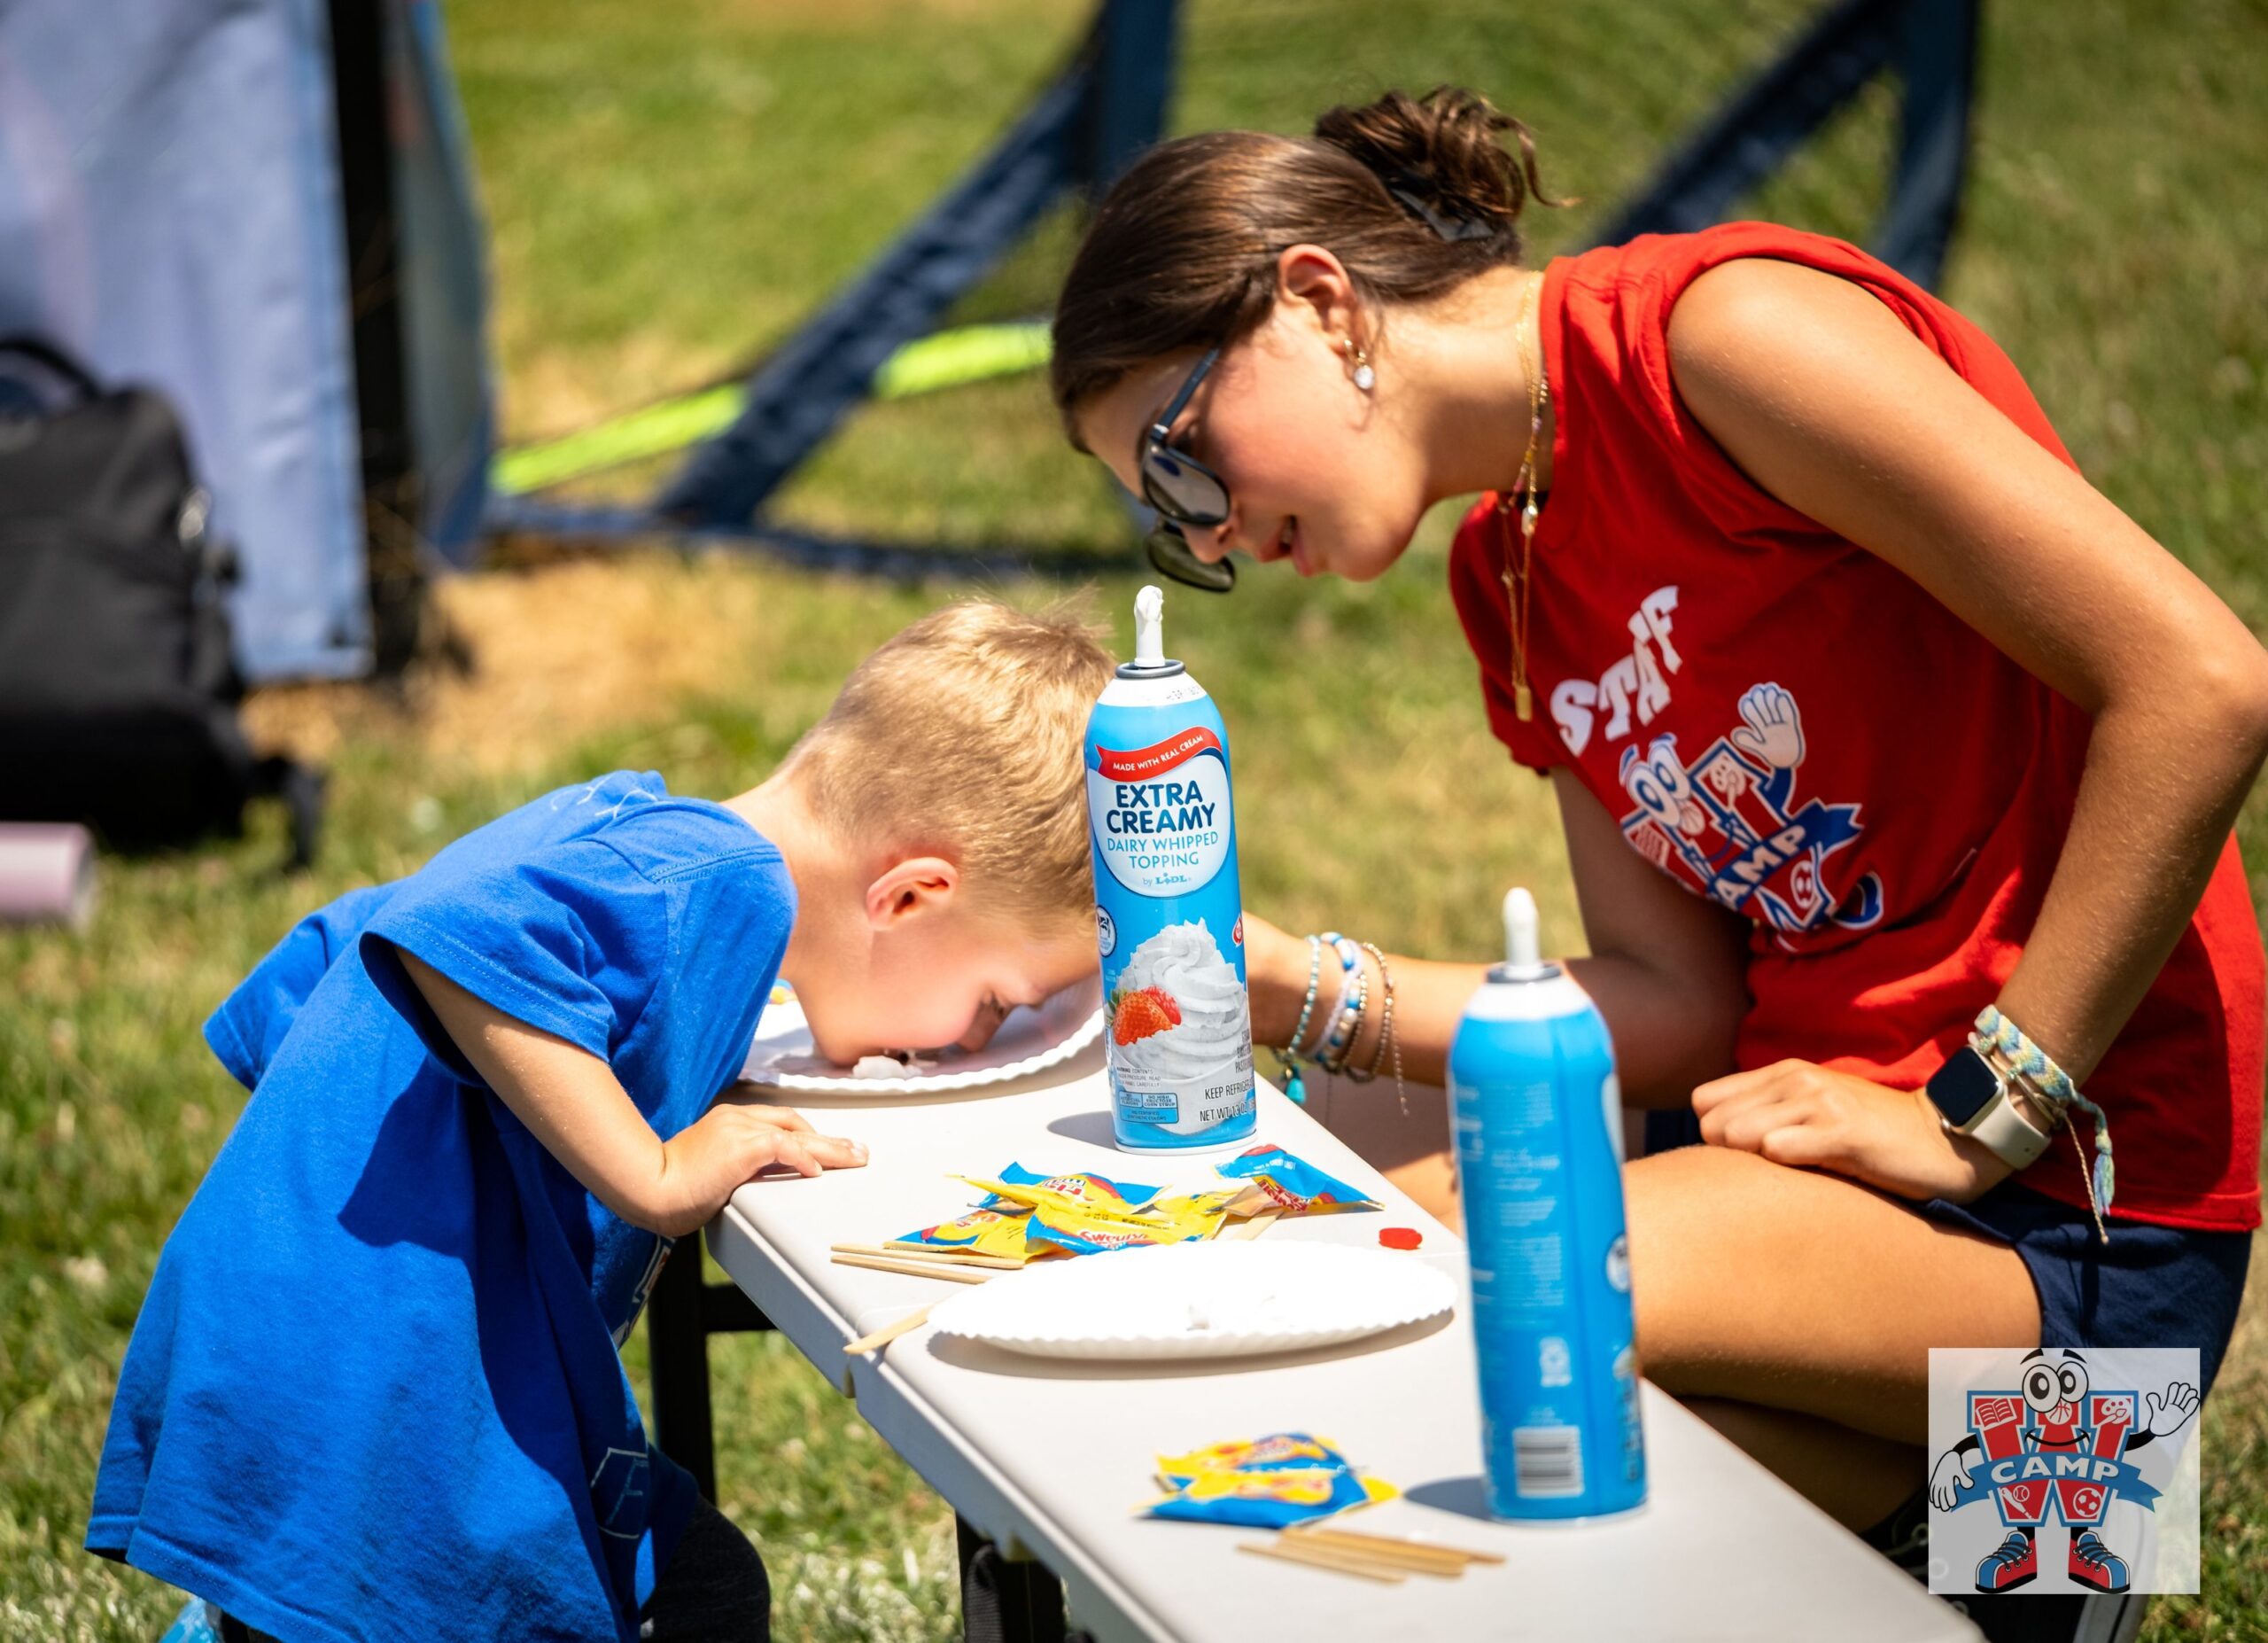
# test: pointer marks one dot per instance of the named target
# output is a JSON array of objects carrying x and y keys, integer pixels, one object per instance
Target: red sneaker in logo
[
  {"x": 2093, "y": 1564},
  {"x": 2013, "y": 1563}
]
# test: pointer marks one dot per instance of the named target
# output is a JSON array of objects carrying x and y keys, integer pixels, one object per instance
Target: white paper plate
[
  {"x": 1031, "y": 1039},
  {"x": 1199, "y": 1300}
]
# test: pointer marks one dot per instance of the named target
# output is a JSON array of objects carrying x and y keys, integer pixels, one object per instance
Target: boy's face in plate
[{"x": 940, "y": 975}]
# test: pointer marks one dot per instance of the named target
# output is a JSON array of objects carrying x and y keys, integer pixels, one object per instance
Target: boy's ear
[{"x": 908, "y": 889}]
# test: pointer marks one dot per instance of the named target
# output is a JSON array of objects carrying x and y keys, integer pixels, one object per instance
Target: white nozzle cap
[
  {"x": 1520, "y": 951},
  {"x": 1150, "y": 626}
]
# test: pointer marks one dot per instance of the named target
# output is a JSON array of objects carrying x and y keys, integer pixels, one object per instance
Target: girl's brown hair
[{"x": 1414, "y": 195}]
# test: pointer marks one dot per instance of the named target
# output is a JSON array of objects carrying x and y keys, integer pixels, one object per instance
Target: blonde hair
[{"x": 964, "y": 731}]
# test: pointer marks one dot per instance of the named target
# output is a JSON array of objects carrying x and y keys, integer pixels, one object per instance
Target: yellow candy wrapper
[
  {"x": 1018, "y": 1187},
  {"x": 981, "y": 1232},
  {"x": 1084, "y": 1230},
  {"x": 1263, "y": 1482},
  {"x": 1281, "y": 1451},
  {"x": 1026, "y": 1215},
  {"x": 1201, "y": 1212},
  {"x": 1271, "y": 1499}
]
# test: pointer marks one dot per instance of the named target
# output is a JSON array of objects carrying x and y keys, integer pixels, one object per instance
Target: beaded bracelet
[
  {"x": 1346, "y": 1018},
  {"x": 1332, "y": 1057},
  {"x": 1378, "y": 1050},
  {"x": 1346, "y": 1015},
  {"x": 1350, "y": 959},
  {"x": 1315, "y": 977},
  {"x": 2053, "y": 1088},
  {"x": 1294, "y": 1085},
  {"x": 1386, "y": 1040}
]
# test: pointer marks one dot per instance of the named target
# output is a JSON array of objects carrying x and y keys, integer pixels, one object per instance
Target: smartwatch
[{"x": 1971, "y": 1096}]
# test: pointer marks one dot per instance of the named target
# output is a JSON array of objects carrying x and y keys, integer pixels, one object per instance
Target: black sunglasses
[{"x": 1185, "y": 492}]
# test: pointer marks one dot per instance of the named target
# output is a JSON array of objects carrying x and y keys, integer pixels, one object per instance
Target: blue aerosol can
[
  {"x": 1168, "y": 914},
  {"x": 1538, "y": 1113}
]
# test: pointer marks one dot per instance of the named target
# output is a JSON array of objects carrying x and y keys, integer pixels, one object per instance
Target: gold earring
[{"x": 1365, "y": 379}]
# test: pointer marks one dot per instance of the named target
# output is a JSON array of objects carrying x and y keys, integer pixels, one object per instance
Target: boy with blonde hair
[{"x": 374, "y": 1391}]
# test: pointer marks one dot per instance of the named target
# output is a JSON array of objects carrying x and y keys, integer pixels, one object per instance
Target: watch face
[{"x": 1962, "y": 1086}]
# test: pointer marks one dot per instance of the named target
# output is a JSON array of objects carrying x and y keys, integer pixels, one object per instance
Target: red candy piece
[{"x": 1401, "y": 1237}]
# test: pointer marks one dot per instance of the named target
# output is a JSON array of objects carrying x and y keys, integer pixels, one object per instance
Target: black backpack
[{"x": 118, "y": 682}]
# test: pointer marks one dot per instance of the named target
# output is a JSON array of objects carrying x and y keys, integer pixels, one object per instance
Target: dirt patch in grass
[{"x": 571, "y": 649}]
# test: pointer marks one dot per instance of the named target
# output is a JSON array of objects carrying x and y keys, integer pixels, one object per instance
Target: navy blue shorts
[{"x": 2149, "y": 1286}]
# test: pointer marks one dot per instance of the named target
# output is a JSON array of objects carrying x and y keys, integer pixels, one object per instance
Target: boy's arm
[{"x": 572, "y": 1102}]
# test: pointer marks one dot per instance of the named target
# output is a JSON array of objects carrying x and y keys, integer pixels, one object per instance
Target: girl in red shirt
[{"x": 1864, "y": 712}]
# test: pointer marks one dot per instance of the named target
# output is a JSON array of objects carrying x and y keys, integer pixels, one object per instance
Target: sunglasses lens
[
  {"x": 1181, "y": 491},
  {"x": 1170, "y": 554}
]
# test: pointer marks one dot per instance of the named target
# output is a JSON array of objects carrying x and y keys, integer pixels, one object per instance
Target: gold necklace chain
[{"x": 1517, "y": 585}]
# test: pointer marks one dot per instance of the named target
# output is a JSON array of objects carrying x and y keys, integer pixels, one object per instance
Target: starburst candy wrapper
[
  {"x": 1263, "y": 1482},
  {"x": 1281, "y": 1451},
  {"x": 1289, "y": 1185},
  {"x": 1199, "y": 1214},
  {"x": 981, "y": 1232},
  {"x": 1017, "y": 1188},
  {"x": 1258, "y": 1499},
  {"x": 1091, "y": 1229}
]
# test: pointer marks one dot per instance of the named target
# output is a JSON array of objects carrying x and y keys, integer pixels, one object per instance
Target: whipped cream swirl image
[{"x": 1183, "y": 962}]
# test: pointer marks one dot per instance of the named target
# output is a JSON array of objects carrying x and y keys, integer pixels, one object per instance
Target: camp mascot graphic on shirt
[
  {"x": 1729, "y": 826},
  {"x": 2055, "y": 1440}
]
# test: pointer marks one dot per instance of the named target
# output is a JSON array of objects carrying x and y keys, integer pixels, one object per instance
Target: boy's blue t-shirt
[{"x": 373, "y": 1392}]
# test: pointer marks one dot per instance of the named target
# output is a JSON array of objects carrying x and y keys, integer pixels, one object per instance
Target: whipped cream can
[
  {"x": 1538, "y": 1117},
  {"x": 1169, "y": 914}
]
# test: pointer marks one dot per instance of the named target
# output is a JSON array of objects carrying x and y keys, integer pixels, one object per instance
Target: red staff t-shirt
[{"x": 1791, "y": 727}]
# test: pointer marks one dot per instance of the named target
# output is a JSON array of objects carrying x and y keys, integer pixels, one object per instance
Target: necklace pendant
[{"x": 1523, "y": 701}]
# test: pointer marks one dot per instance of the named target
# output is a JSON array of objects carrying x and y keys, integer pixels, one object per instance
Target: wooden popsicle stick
[
  {"x": 916, "y": 1269},
  {"x": 1257, "y": 1226},
  {"x": 1324, "y": 1531},
  {"x": 1409, "y": 1553},
  {"x": 1322, "y": 1557},
  {"x": 948, "y": 1252},
  {"x": 927, "y": 1252},
  {"x": 875, "y": 1340},
  {"x": 1391, "y": 1547}
]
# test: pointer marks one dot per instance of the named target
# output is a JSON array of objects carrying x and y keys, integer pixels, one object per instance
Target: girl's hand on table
[
  {"x": 1800, "y": 1114},
  {"x": 731, "y": 1144}
]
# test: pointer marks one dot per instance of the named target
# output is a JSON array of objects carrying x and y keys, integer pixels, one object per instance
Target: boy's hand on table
[
  {"x": 572, "y": 1102},
  {"x": 707, "y": 1162},
  {"x": 1796, "y": 1113}
]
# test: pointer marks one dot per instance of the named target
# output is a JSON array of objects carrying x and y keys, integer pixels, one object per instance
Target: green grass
[{"x": 671, "y": 188}]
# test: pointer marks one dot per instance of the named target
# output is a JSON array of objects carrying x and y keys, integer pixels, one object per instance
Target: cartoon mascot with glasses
[{"x": 2054, "y": 1416}]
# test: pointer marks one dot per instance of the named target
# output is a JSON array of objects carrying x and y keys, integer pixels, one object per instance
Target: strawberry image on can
[{"x": 1136, "y": 1015}]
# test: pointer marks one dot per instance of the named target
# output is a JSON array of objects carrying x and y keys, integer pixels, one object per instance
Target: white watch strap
[{"x": 2007, "y": 1134}]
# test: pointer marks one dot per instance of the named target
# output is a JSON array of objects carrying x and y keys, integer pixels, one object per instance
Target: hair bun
[{"x": 1440, "y": 157}]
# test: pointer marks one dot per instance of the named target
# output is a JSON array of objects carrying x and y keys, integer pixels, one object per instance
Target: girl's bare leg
[
  {"x": 1800, "y": 1290},
  {"x": 1856, "y": 1478}
]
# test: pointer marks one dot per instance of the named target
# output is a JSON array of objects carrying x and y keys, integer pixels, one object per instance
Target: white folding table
[{"x": 1050, "y": 1460}]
